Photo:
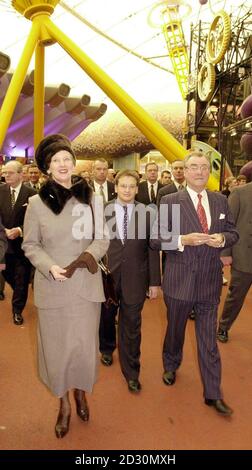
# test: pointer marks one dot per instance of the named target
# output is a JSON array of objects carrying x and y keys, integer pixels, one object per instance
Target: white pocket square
[{"x": 222, "y": 216}]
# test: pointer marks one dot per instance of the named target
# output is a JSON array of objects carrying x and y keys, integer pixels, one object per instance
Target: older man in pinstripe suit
[{"x": 193, "y": 273}]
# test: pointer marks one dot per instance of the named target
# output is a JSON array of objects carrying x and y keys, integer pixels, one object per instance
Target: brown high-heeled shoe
[
  {"x": 62, "y": 423},
  {"x": 81, "y": 405}
]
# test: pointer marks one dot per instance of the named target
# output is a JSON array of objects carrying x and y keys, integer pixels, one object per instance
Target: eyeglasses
[
  {"x": 127, "y": 186},
  {"x": 203, "y": 168}
]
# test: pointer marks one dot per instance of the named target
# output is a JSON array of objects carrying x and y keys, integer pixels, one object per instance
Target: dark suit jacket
[
  {"x": 240, "y": 204},
  {"x": 30, "y": 185},
  {"x": 135, "y": 266},
  {"x": 167, "y": 189},
  {"x": 14, "y": 217},
  {"x": 111, "y": 189},
  {"x": 3, "y": 242},
  {"x": 143, "y": 193},
  {"x": 196, "y": 273}
]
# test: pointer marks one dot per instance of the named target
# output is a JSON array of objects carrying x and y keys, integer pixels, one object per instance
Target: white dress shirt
[
  {"x": 179, "y": 184},
  {"x": 155, "y": 187},
  {"x": 204, "y": 201},
  {"x": 195, "y": 200},
  {"x": 17, "y": 190},
  {"x": 97, "y": 188}
]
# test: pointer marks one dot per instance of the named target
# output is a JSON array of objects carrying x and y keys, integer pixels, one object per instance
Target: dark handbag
[{"x": 108, "y": 284}]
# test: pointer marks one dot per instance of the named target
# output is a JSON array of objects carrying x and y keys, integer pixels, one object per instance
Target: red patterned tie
[{"x": 202, "y": 215}]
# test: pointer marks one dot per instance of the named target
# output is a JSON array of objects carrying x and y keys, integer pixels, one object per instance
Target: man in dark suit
[
  {"x": 101, "y": 186},
  {"x": 239, "y": 257},
  {"x": 193, "y": 272},
  {"x": 148, "y": 190},
  {"x": 33, "y": 175},
  {"x": 179, "y": 183},
  {"x": 14, "y": 197},
  {"x": 135, "y": 268},
  {"x": 3, "y": 246}
]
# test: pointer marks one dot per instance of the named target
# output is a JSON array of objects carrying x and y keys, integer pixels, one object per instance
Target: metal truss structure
[{"x": 176, "y": 45}]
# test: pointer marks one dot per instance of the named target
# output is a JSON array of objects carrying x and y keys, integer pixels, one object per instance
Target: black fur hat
[{"x": 48, "y": 147}]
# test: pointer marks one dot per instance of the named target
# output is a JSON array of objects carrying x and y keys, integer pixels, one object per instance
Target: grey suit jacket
[
  {"x": 196, "y": 273},
  {"x": 240, "y": 203},
  {"x": 49, "y": 239}
]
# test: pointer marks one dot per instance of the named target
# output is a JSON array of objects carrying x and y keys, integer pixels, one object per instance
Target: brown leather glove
[{"x": 85, "y": 260}]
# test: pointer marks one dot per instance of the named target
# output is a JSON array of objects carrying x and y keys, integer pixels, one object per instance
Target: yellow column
[
  {"x": 39, "y": 94},
  {"x": 17, "y": 82}
]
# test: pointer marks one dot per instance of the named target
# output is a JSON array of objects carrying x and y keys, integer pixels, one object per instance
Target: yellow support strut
[{"x": 159, "y": 137}]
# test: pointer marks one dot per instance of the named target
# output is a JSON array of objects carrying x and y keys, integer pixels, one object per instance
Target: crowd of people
[{"x": 55, "y": 228}]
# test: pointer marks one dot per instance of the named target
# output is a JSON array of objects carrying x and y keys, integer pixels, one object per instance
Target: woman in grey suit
[{"x": 58, "y": 238}]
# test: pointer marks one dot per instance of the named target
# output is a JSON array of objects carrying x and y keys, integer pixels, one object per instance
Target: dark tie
[
  {"x": 35, "y": 187},
  {"x": 13, "y": 199},
  {"x": 102, "y": 193},
  {"x": 202, "y": 215},
  {"x": 181, "y": 187},
  {"x": 125, "y": 224},
  {"x": 152, "y": 195}
]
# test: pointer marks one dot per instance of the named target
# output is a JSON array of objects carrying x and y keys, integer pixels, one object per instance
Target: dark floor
[{"x": 159, "y": 417}]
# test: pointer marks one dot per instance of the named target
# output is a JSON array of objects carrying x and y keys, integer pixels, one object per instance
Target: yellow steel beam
[
  {"x": 17, "y": 82},
  {"x": 160, "y": 138}
]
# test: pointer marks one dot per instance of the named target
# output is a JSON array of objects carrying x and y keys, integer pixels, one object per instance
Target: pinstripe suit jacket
[{"x": 196, "y": 273}]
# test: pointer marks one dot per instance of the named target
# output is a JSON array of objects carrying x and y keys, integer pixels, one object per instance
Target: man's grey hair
[
  {"x": 18, "y": 165},
  {"x": 196, "y": 153}
]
